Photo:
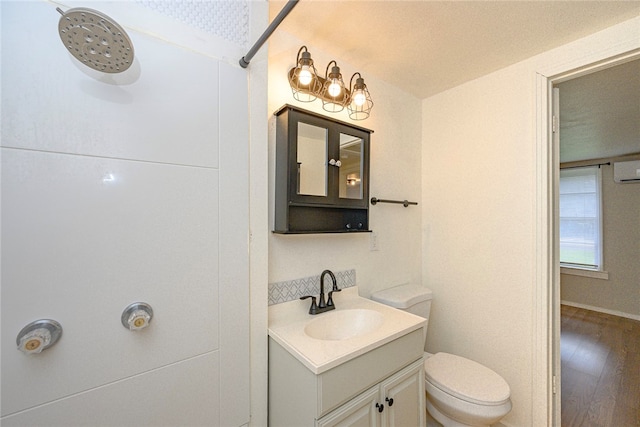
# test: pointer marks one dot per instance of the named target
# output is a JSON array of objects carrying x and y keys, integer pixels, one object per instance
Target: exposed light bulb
[
  {"x": 305, "y": 76},
  {"x": 334, "y": 88},
  {"x": 359, "y": 98}
]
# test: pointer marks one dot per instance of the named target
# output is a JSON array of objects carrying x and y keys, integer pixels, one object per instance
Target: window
[{"x": 580, "y": 219}]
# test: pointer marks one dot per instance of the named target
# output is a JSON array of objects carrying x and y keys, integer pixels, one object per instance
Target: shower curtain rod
[{"x": 244, "y": 61}]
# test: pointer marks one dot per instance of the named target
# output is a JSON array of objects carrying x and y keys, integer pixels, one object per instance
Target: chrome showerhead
[{"x": 95, "y": 40}]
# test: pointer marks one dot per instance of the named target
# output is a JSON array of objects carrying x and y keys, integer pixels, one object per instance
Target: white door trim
[{"x": 546, "y": 324}]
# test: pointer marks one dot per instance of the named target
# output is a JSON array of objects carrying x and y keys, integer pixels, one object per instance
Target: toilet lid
[{"x": 465, "y": 379}]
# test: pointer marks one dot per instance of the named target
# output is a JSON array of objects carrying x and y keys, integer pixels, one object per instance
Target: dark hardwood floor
[{"x": 600, "y": 356}]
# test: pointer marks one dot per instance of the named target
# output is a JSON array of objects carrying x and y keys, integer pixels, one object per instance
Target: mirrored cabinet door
[
  {"x": 351, "y": 171},
  {"x": 311, "y": 156}
]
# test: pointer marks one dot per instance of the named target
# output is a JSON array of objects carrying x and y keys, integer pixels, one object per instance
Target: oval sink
[{"x": 343, "y": 324}]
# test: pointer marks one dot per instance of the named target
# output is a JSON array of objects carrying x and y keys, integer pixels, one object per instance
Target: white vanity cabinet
[
  {"x": 353, "y": 393},
  {"x": 396, "y": 402}
]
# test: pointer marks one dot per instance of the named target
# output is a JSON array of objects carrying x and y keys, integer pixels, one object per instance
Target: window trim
[{"x": 584, "y": 272}]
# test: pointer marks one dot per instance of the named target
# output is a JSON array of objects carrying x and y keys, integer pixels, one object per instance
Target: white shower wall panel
[
  {"x": 84, "y": 237},
  {"x": 182, "y": 394},
  {"x": 164, "y": 108}
]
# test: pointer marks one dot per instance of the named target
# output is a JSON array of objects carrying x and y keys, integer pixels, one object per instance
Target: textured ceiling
[
  {"x": 600, "y": 114},
  {"x": 425, "y": 47}
]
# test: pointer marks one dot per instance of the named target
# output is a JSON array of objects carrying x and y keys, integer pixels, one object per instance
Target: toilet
[{"x": 460, "y": 392}]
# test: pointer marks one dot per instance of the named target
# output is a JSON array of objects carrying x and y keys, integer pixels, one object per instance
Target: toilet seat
[{"x": 466, "y": 380}]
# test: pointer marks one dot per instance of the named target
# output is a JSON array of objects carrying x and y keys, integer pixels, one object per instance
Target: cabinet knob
[
  {"x": 336, "y": 163},
  {"x": 137, "y": 316},
  {"x": 38, "y": 336},
  {"x": 389, "y": 401},
  {"x": 380, "y": 407}
]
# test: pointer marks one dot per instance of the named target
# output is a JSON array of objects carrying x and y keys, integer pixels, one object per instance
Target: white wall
[
  {"x": 115, "y": 189},
  {"x": 478, "y": 228},
  {"x": 480, "y": 254},
  {"x": 395, "y": 174},
  {"x": 620, "y": 293}
]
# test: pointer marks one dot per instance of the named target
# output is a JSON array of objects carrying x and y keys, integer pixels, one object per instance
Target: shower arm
[{"x": 244, "y": 61}]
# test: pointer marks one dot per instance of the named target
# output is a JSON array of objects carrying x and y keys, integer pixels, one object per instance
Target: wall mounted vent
[{"x": 626, "y": 172}]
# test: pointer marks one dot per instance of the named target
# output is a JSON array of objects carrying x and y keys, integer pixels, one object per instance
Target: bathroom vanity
[{"x": 358, "y": 365}]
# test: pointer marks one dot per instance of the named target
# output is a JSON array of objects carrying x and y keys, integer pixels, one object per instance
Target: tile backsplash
[{"x": 289, "y": 290}]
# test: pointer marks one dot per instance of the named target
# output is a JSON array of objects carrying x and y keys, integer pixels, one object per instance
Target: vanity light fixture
[{"x": 307, "y": 85}]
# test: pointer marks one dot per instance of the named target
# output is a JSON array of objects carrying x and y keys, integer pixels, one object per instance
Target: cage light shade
[
  {"x": 360, "y": 104},
  {"x": 335, "y": 95},
  {"x": 303, "y": 78}
]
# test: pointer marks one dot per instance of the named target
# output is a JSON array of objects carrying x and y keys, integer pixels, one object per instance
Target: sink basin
[
  {"x": 324, "y": 341},
  {"x": 343, "y": 324}
]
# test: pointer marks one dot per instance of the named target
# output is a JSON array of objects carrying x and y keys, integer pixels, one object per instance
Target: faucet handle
[
  {"x": 330, "y": 301},
  {"x": 314, "y": 306}
]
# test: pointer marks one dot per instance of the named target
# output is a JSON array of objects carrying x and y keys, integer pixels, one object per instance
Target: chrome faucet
[{"x": 322, "y": 306}]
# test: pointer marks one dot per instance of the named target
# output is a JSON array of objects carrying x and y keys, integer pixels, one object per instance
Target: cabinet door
[
  {"x": 359, "y": 412},
  {"x": 352, "y": 181},
  {"x": 310, "y": 150},
  {"x": 404, "y": 398}
]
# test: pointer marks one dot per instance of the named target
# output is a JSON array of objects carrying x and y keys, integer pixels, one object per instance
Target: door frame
[{"x": 546, "y": 334}]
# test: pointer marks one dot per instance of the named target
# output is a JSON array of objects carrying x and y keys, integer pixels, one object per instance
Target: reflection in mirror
[
  {"x": 351, "y": 168},
  {"x": 312, "y": 160}
]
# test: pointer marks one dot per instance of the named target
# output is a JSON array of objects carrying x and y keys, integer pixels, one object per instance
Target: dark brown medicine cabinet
[{"x": 322, "y": 174}]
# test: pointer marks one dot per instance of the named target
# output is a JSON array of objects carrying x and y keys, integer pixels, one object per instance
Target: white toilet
[{"x": 460, "y": 392}]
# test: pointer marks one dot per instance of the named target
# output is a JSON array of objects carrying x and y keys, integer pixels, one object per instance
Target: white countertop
[{"x": 288, "y": 320}]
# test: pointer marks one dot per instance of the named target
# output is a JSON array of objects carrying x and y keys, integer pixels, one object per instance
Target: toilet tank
[{"x": 414, "y": 299}]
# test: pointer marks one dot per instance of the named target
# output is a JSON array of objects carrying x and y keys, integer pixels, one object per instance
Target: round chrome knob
[
  {"x": 38, "y": 336},
  {"x": 137, "y": 316}
]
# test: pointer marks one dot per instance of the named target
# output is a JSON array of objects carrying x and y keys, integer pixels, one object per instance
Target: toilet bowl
[{"x": 460, "y": 392}]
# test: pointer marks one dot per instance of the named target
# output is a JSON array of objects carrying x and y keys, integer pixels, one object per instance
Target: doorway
[
  {"x": 548, "y": 293},
  {"x": 598, "y": 126}
]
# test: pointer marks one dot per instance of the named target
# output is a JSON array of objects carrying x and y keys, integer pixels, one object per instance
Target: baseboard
[{"x": 602, "y": 310}]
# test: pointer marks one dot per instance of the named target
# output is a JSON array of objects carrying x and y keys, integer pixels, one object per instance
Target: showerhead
[{"x": 95, "y": 40}]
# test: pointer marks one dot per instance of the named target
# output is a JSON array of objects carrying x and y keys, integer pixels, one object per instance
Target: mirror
[
  {"x": 351, "y": 168},
  {"x": 312, "y": 160}
]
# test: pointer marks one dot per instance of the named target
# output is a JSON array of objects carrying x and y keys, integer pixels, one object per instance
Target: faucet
[{"x": 323, "y": 306}]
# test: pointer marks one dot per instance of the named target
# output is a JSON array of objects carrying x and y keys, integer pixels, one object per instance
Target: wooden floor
[{"x": 600, "y": 356}]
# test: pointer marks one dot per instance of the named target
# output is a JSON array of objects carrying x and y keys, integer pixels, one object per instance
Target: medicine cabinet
[{"x": 322, "y": 174}]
